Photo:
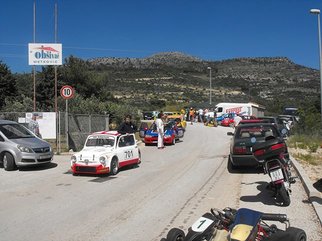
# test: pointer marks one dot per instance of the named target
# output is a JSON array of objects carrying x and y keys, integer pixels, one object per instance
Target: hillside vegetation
[{"x": 164, "y": 79}]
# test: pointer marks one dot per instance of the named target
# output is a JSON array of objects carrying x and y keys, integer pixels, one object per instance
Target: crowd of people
[{"x": 198, "y": 115}]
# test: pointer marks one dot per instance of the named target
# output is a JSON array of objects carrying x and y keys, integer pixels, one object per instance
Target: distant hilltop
[
  {"x": 184, "y": 78},
  {"x": 174, "y": 59}
]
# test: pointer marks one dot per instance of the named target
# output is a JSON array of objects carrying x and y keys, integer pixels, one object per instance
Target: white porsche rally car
[{"x": 106, "y": 152}]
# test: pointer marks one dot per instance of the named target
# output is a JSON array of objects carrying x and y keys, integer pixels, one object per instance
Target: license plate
[
  {"x": 45, "y": 157},
  {"x": 277, "y": 175}
]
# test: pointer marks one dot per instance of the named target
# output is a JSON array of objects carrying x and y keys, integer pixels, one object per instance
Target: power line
[{"x": 88, "y": 48}]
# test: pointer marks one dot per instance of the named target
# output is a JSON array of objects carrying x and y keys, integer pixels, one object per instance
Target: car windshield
[
  {"x": 169, "y": 125},
  {"x": 15, "y": 131},
  {"x": 256, "y": 131},
  {"x": 100, "y": 140}
]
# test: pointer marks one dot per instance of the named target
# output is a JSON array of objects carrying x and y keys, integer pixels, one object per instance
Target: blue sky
[{"x": 208, "y": 29}]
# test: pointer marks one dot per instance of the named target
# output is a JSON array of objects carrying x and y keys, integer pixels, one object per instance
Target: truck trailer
[{"x": 250, "y": 109}]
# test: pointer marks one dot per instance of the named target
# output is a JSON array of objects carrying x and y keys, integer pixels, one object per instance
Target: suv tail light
[
  {"x": 240, "y": 150},
  {"x": 277, "y": 146},
  {"x": 259, "y": 152}
]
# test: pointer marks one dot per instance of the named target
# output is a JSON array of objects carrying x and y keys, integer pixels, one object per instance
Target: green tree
[
  {"x": 8, "y": 88},
  {"x": 77, "y": 73},
  {"x": 24, "y": 84},
  {"x": 22, "y": 104},
  {"x": 45, "y": 88}
]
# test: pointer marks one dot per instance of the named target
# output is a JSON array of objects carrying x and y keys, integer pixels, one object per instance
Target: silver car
[{"x": 20, "y": 147}]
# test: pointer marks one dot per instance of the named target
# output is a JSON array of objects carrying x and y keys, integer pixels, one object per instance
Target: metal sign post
[
  {"x": 66, "y": 125},
  {"x": 67, "y": 92}
]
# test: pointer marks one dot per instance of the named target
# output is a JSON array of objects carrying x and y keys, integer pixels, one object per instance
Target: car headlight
[
  {"x": 102, "y": 160},
  {"x": 73, "y": 159},
  {"x": 25, "y": 149},
  {"x": 148, "y": 136},
  {"x": 167, "y": 136}
]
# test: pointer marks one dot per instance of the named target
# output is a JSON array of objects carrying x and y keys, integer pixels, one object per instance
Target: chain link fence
[{"x": 72, "y": 132}]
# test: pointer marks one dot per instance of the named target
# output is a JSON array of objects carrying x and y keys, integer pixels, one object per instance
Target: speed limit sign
[{"x": 67, "y": 92}]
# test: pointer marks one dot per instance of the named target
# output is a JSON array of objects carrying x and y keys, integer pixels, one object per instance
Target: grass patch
[
  {"x": 305, "y": 142},
  {"x": 308, "y": 158}
]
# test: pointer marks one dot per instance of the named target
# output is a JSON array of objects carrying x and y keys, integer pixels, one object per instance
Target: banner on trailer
[{"x": 45, "y": 54}]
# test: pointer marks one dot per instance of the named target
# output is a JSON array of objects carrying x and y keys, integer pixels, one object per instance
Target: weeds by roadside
[{"x": 307, "y": 151}]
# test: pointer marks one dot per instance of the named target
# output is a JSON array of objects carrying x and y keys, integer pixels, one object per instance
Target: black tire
[
  {"x": 231, "y": 166},
  {"x": 284, "y": 195},
  {"x": 296, "y": 234},
  {"x": 139, "y": 161},
  {"x": 173, "y": 141},
  {"x": 114, "y": 167},
  {"x": 175, "y": 234},
  {"x": 8, "y": 162}
]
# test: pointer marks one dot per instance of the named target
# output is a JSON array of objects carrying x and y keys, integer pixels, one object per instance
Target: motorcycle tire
[
  {"x": 175, "y": 234},
  {"x": 284, "y": 195},
  {"x": 296, "y": 234}
]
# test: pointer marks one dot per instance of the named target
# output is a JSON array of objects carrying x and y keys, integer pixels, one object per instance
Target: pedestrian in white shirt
[
  {"x": 237, "y": 119},
  {"x": 201, "y": 113},
  {"x": 160, "y": 129}
]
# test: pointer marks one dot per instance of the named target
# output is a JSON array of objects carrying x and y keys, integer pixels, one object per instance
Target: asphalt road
[{"x": 171, "y": 188}]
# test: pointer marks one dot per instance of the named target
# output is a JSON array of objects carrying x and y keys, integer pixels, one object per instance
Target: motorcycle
[
  {"x": 237, "y": 225},
  {"x": 272, "y": 155}
]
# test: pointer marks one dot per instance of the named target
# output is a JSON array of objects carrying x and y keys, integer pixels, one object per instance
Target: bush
[
  {"x": 307, "y": 158},
  {"x": 313, "y": 146}
]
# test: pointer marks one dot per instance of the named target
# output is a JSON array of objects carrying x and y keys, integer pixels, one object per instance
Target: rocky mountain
[{"x": 180, "y": 78}]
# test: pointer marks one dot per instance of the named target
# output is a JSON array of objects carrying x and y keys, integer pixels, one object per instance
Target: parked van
[
  {"x": 20, "y": 147},
  {"x": 249, "y": 109}
]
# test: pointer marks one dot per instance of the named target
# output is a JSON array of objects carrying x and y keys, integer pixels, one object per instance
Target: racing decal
[
  {"x": 235, "y": 110},
  {"x": 128, "y": 154},
  {"x": 201, "y": 224},
  {"x": 129, "y": 162}
]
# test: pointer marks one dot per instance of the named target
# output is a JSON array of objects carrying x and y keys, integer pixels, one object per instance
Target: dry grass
[{"x": 310, "y": 161}]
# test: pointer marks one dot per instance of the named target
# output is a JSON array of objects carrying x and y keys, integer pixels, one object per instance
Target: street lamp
[
  {"x": 317, "y": 11},
  {"x": 209, "y": 85}
]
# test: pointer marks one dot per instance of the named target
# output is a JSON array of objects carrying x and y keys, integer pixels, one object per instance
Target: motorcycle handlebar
[{"x": 274, "y": 217}]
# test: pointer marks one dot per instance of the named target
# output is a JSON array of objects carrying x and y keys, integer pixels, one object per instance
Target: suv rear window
[{"x": 256, "y": 131}]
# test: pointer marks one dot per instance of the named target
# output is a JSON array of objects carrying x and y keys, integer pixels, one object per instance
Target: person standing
[
  {"x": 201, "y": 115},
  {"x": 160, "y": 129},
  {"x": 34, "y": 126},
  {"x": 127, "y": 126},
  {"x": 237, "y": 119},
  {"x": 191, "y": 115}
]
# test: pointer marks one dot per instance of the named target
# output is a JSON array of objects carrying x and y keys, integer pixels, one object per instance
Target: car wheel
[
  {"x": 173, "y": 141},
  {"x": 139, "y": 161},
  {"x": 8, "y": 162},
  {"x": 114, "y": 166},
  {"x": 296, "y": 234},
  {"x": 175, "y": 234},
  {"x": 231, "y": 165}
]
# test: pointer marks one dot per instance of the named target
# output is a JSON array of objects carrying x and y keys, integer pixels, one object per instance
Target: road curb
[{"x": 314, "y": 196}]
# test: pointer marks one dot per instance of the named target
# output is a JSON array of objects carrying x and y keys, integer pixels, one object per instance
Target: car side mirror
[{"x": 230, "y": 133}]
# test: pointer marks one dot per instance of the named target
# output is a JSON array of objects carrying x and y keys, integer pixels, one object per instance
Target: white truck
[{"x": 250, "y": 109}]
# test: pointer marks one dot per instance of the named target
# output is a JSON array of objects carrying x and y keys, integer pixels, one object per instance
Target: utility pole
[{"x": 34, "y": 67}]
